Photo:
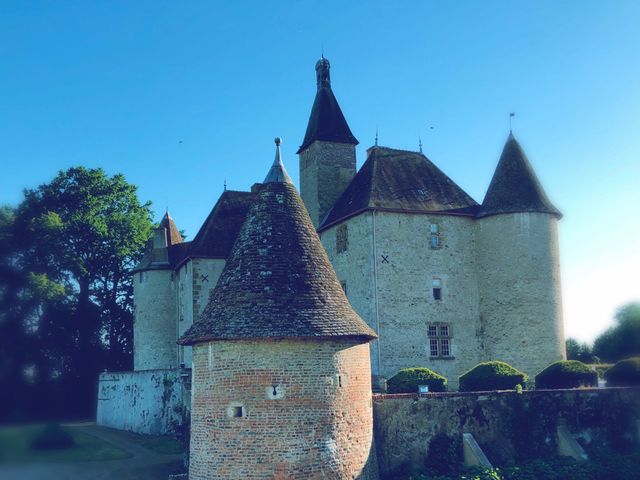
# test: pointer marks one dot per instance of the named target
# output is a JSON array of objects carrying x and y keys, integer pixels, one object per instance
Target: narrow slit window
[
  {"x": 342, "y": 238},
  {"x": 434, "y": 236},
  {"x": 343, "y": 284}
]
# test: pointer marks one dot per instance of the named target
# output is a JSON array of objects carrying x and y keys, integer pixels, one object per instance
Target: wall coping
[{"x": 495, "y": 393}]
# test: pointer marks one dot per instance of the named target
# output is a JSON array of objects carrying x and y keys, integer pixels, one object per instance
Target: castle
[{"x": 443, "y": 281}]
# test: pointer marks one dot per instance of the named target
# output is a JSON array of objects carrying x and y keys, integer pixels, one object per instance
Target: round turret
[{"x": 281, "y": 379}]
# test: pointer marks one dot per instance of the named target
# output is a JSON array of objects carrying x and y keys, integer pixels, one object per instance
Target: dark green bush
[
  {"x": 444, "y": 455},
  {"x": 407, "y": 381},
  {"x": 491, "y": 376},
  {"x": 625, "y": 373},
  {"x": 567, "y": 374},
  {"x": 52, "y": 437}
]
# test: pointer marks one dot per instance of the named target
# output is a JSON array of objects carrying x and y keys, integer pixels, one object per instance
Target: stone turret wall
[
  {"x": 318, "y": 425},
  {"x": 520, "y": 296},
  {"x": 326, "y": 169},
  {"x": 400, "y": 283},
  {"x": 154, "y": 326}
]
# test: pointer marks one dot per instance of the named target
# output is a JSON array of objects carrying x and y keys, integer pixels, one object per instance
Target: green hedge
[
  {"x": 625, "y": 373},
  {"x": 567, "y": 374},
  {"x": 491, "y": 376},
  {"x": 408, "y": 380}
]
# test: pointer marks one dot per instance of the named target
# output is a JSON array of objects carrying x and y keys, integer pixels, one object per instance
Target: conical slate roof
[
  {"x": 515, "y": 187},
  {"x": 278, "y": 281},
  {"x": 326, "y": 122},
  {"x": 173, "y": 234},
  {"x": 400, "y": 181}
]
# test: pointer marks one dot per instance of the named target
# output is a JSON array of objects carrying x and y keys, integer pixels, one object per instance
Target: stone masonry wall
[
  {"x": 399, "y": 287},
  {"x": 316, "y": 425},
  {"x": 154, "y": 326},
  {"x": 197, "y": 279},
  {"x": 142, "y": 402},
  {"x": 509, "y": 427},
  {"x": 326, "y": 169},
  {"x": 520, "y": 296}
]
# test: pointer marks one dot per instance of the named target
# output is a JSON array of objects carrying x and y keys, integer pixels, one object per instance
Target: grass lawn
[
  {"x": 162, "y": 444},
  {"x": 14, "y": 447}
]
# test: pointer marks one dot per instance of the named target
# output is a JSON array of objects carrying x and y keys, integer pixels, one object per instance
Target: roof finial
[
  {"x": 420, "y": 143},
  {"x": 511, "y": 115},
  {"x": 224, "y": 185},
  {"x": 277, "y": 173},
  {"x": 376, "y": 141},
  {"x": 323, "y": 78}
]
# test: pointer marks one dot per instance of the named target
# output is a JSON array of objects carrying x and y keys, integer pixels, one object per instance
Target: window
[
  {"x": 439, "y": 340},
  {"x": 434, "y": 236},
  {"x": 436, "y": 285},
  {"x": 343, "y": 284},
  {"x": 342, "y": 238},
  {"x": 236, "y": 412}
]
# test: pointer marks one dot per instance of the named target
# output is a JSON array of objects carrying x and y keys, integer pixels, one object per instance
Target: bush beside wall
[
  {"x": 625, "y": 373},
  {"x": 407, "y": 381},
  {"x": 491, "y": 376},
  {"x": 567, "y": 374}
]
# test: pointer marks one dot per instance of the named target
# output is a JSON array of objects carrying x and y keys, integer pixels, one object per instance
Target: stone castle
[{"x": 443, "y": 281}]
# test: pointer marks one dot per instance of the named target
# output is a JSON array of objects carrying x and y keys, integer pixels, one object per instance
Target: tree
[
  {"x": 623, "y": 339},
  {"x": 73, "y": 241},
  {"x": 579, "y": 351}
]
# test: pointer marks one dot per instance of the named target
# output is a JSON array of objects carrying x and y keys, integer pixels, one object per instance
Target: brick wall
[{"x": 318, "y": 426}]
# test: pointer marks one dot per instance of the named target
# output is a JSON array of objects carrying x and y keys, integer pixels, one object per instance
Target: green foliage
[
  {"x": 52, "y": 437},
  {"x": 444, "y": 455},
  {"x": 579, "y": 351},
  {"x": 625, "y": 373},
  {"x": 623, "y": 339},
  {"x": 567, "y": 374},
  {"x": 407, "y": 380},
  {"x": 66, "y": 309},
  {"x": 493, "y": 375}
]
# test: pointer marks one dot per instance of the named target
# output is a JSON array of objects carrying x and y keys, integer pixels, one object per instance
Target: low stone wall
[
  {"x": 509, "y": 427},
  {"x": 147, "y": 401}
]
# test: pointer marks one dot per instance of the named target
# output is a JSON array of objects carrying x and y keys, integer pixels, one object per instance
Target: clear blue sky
[{"x": 180, "y": 95}]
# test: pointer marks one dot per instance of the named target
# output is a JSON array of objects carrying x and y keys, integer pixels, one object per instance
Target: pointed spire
[
  {"x": 420, "y": 144},
  {"x": 173, "y": 234},
  {"x": 277, "y": 172},
  {"x": 326, "y": 122},
  {"x": 376, "y": 140},
  {"x": 515, "y": 187}
]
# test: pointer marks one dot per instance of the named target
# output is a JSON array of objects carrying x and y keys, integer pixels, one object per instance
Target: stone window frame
[
  {"x": 342, "y": 238},
  {"x": 435, "y": 236},
  {"x": 440, "y": 339},
  {"x": 437, "y": 288}
]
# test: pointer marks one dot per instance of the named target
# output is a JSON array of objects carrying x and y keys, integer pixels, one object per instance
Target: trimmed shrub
[
  {"x": 407, "y": 380},
  {"x": 52, "y": 437},
  {"x": 491, "y": 376},
  {"x": 567, "y": 374},
  {"x": 625, "y": 373}
]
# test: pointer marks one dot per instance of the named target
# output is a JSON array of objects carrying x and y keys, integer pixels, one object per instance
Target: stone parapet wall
[
  {"x": 149, "y": 401},
  {"x": 509, "y": 427}
]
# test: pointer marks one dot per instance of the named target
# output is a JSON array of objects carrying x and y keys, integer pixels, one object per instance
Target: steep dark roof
[
  {"x": 278, "y": 281},
  {"x": 219, "y": 231},
  {"x": 326, "y": 122},
  {"x": 173, "y": 234},
  {"x": 515, "y": 186},
  {"x": 399, "y": 180}
]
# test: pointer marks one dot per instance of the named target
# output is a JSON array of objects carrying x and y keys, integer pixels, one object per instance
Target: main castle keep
[
  {"x": 285, "y": 310},
  {"x": 444, "y": 282}
]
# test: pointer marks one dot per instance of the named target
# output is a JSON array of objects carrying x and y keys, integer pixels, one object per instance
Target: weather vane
[{"x": 511, "y": 115}]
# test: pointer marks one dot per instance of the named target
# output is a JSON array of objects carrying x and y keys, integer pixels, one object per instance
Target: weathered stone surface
[
  {"x": 143, "y": 402},
  {"x": 318, "y": 427},
  {"x": 509, "y": 427}
]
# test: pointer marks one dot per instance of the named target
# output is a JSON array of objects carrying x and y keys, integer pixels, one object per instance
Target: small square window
[
  {"x": 444, "y": 330},
  {"x": 433, "y": 330},
  {"x": 237, "y": 412},
  {"x": 437, "y": 288},
  {"x": 433, "y": 228},
  {"x": 433, "y": 347}
]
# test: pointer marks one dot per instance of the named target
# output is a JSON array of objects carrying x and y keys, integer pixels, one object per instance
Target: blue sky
[{"x": 179, "y": 96}]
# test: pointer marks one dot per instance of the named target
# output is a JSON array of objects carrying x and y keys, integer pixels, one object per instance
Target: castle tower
[
  {"x": 518, "y": 267},
  {"x": 328, "y": 153},
  {"x": 154, "y": 326},
  {"x": 281, "y": 371}
]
